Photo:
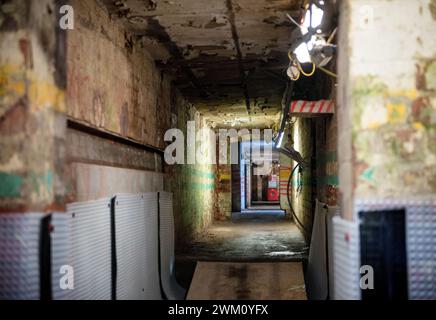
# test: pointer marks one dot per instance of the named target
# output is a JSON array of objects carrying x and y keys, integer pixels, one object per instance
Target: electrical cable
[
  {"x": 330, "y": 39},
  {"x": 332, "y": 74},
  {"x": 304, "y": 73},
  {"x": 290, "y": 55},
  {"x": 295, "y": 60},
  {"x": 293, "y": 21},
  {"x": 294, "y": 215}
]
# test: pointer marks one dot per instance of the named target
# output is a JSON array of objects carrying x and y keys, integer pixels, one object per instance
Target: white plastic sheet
[{"x": 173, "y": 291}]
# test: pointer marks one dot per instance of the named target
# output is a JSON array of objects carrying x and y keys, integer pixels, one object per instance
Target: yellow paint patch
[
  {"x": 224, "y": 176},
  {"x": 11, "y": 82},
  {"x": 411, "y": 94},
  {"x": 43, "y": 94},
  {"x": 374, "y": 125},
  {"x": 397, "y": 112},
  {"x": 418, "y": 126},
  {"x": 284, "y": 174}
]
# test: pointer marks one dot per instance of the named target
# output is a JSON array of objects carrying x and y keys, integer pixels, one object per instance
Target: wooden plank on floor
[{"x": 248, "y": 281}]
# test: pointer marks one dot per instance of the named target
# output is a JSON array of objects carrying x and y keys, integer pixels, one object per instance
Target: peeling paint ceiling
[{"x": 229, "y": 57}]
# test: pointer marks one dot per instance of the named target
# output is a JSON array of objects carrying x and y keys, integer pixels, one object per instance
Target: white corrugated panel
[
  {"x": 137, "y": 247},
  {"x": 346, "y": 260},
  {"x": 332, "y": 212},
  {"x": 172, "y": 289},
  {"x": 90, "y": 249},
  {"x": 420, "y": 242},
  {"x": 152, "y": 246},
  {"x": 19, "y": 256}
]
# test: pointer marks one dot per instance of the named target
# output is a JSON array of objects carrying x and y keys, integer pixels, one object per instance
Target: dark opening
[{"x": 383, "y": 247}]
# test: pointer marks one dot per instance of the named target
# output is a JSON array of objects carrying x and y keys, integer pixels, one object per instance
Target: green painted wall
[
  {"x": 193, "y": 186},
  {"x": 302, "y": 185},
  {"x": 10, "y": 185}
]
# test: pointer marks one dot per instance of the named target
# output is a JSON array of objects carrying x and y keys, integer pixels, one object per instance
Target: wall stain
[
  {"x": 430, "y": 76},
  {"x": 432, "y": 8},
  {"x": 26, "y": 50},
  {"x": 124, "y": 119}
]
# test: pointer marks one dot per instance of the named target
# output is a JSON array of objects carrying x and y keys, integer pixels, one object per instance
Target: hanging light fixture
[
  {"x": 302, "y": 53},
  {"x": 307, "y": 32},
  {"x": 313, "y": 17}
]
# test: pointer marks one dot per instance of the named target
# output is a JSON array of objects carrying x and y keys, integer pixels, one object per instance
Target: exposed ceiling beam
[{"x": 235, "y": 36}]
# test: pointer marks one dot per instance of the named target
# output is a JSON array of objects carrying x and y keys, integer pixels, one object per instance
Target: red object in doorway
[{"x": 273, "y": 194}]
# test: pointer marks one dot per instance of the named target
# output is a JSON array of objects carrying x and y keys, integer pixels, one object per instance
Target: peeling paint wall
[
  {"x": 387, "y": 94},
  {"x": 115, "y": 87},
  {"x": 316, "y": 140},
  {"x": 223, "y": 183},
  {"x": 193, "y": 186},
  {"x": 100, "y": 168},
  {"x": 326, "y": 170},
  {"x": 223, "y": 192},
  {"x": 113, "y": 83},
  {"x": 32, "y": 100},
  {"x": 303, "y": 184}
]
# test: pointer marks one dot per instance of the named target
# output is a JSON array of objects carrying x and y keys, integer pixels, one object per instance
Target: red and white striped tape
[{"x": 321, "y": 106}]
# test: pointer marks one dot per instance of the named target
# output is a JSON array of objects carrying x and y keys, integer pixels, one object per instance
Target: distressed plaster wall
[
  {"x": 223, "y": 183},
  {"x": 193, "y": 186},
  {"x": 326, "y": 164},
  {"x": 121, "y": 91},
  {"x": 223, "y": 192},
  {"x": 386, "y": 100},
  {"x": 32, "y": 101},
  {"x": 302, "y": 185},
  {"x": 99, "y": 76},
  {"x": 101, "y": 168},
  {"x": 113, "y": 83},
  {"x": 115, "y": 87}
]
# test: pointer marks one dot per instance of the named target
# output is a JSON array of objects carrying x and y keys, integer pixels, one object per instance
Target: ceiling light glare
[
  {"x": 311, "y": 43},
  {"x": 302, "y": 53},
  {"x": 317, "y": 15},
  {"x": 280, "y": 140}
]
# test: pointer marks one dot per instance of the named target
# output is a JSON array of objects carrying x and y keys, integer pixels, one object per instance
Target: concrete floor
[
  {"x": 248, "y": 281},
  {"x": 251, "y": 236}
]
